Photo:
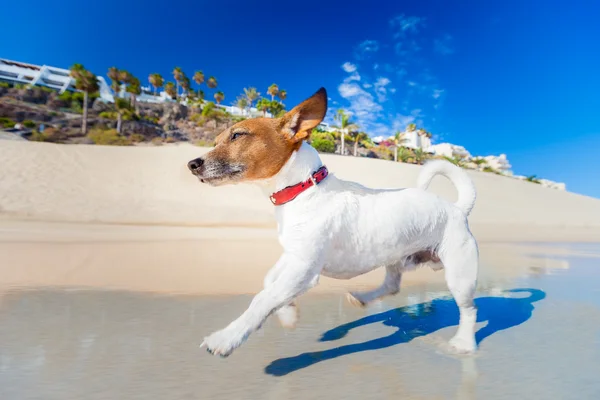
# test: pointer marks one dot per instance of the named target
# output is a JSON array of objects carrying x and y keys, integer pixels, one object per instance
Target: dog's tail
[{"x": 460, "y": 179}]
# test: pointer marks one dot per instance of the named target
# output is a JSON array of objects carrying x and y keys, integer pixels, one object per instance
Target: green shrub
[
  {"x": 66, "y": 96},
  {"x": 78, "y": 97},
  {"x": 108, "y": 137},
  {"x": 323, "y": 145},
  {"x": 137, "y": 138},
  {"x": 204, "y": 143},
  {"x": 6, "y": 122},
  {"x": 108, "y": 115},
  {"x": 170, "y": 139},
  {"x": 153, "y": 120},
  {"x": 157, "y": 141},
  {"x": 383, "y": 152},
  {"x": 76, "y": 107},
  {"x": 5, "y": 85},
  {"x": 49, "y": 135},
  {"x": 29, "y": 123},
  {"x": 208, "y": 109}
]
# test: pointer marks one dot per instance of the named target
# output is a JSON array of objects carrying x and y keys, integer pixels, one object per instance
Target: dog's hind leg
[
  {"x": 390, "y": 286},
  {"x": 460, "y": 258}
]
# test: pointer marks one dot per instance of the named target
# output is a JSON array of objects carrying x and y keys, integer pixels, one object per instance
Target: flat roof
[{"x": 19, "y": 64}]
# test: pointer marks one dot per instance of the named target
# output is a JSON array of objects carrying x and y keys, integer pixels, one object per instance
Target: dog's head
[{"x": 256, "y": 149}]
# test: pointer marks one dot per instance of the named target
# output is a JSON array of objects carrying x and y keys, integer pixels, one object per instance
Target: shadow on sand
[{"x": 418, "y": 320}]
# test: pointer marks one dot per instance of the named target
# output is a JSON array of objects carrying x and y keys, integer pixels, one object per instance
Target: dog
[{"x": 337, "y": 228}]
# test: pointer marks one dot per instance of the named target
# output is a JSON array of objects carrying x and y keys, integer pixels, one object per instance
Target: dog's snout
[{"x": 195, "y": 164}]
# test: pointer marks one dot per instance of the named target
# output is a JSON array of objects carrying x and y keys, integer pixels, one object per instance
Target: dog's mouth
[{"x": 218, "y": 173}]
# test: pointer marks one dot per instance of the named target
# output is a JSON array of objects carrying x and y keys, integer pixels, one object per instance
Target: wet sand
[{"x": 539, "y": 339}]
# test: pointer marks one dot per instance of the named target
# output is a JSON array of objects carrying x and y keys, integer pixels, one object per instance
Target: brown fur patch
[{"x": 259, "y": 147}]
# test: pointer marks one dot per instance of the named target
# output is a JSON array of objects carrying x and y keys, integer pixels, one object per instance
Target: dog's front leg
[{"x": 296, "y": 276}]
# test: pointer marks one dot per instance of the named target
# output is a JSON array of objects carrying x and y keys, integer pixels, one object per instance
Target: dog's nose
[{"x": 195, "y": 164}]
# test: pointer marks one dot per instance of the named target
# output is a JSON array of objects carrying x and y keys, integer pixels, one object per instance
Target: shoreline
[
  {"x": 27, "y": 229},
  {"x": 213, "y": 261}
]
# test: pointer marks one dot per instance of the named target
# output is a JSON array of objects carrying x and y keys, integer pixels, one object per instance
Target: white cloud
[
  {"x": 437, "y": 93},
  {"x": 353, "y": 77},
  {"x": 380, "y": 88},
  {"x": 382, "y": 81},
  {"x": 367, "y": 85},
  {"x": 365, "y": 48},
  {"x": 368, "y": 45},
  {"x": 349, "y": 67},
  {"x": 392, "y": 90},
  {"x": 348, "y": 90},
  {"x": 363, "y": 107},
  {"x": 403, "y": 24},
  {"x": 444, "y": 45},
  {"x": 412, "y": 83},
  {"x": 400, "y": 122}
]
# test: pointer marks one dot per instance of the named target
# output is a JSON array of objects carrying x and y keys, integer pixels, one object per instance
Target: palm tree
[
  {"x": 134, "y": 89},
  {"x": 157, "y": 81},
  {"x": 357, "y": 137},
  {"x": 420, "y": 156},
  {"x": 263, "y": 105},
  {"x": 115, "y": 76},
  {"x": 122, "y": 106},
  {"x": 404, "y": 154},
  {"x": 124, "y": 76},
  {"x": 251, "y": 95},
  {"x": 345, "y": 126},
  {"x": 399, "y": 138},
  {"x": 178, "y": 76},
  {"x": 211, "y": 82},
  {"x": 411, "y": 127},
  {"x": 273, "y": 90},
  {"x": 532, "y": 178},
  {"x": 198, "y": 77},
  {"x": 171, "y": 90},
  {"x": 241, "y": 102},
  {"x": 185, "y": 84},
  {"x": 282, "y": 94},
  {"x": 88, "y": 83},
  {"x": 276, "y": 108},
  {"x": 219, "y": 97}
]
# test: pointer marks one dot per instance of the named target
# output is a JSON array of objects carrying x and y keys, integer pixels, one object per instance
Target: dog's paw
[
  {"x": 288, "y": 316},
  {"x": 355, "y": 299},
  {"x": 224, "y": 342},
  {"x": 462, "y": 345}
]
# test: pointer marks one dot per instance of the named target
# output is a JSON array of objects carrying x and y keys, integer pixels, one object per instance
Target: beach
[{"x": 116, "y": 261}]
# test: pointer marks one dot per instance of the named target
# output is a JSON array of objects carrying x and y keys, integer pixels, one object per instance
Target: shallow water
[{"x": 539, "y": 336}]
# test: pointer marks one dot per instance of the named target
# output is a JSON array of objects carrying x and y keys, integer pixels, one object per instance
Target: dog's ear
[{"x": 297, "y": 124}]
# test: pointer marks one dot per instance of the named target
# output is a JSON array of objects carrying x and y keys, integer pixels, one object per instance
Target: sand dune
[{"x": 151, "y": 185}]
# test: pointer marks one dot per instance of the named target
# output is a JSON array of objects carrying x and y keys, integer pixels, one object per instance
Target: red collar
[{"x": 291, "y": 192}]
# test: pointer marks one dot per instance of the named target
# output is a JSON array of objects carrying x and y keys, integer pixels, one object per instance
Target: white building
[
  {"x": 498, "y": 163},
  {"x": 43, "y": 75},
  {"x": 417, "y": 139},
  {"x": 326, "y": 127},
  {"x": 451, "y": 151}
]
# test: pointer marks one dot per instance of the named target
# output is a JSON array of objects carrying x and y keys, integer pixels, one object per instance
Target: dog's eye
[{"x": 237, "y": 135}]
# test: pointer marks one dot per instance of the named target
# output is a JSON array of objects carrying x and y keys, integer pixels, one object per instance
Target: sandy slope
[{"x": 151, "y": 185}]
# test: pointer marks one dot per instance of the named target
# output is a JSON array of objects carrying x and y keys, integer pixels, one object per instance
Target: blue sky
[{"x": 514, "y": 77}]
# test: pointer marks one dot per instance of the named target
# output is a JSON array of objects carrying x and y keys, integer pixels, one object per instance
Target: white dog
[{"x": 340, "y": 229}]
